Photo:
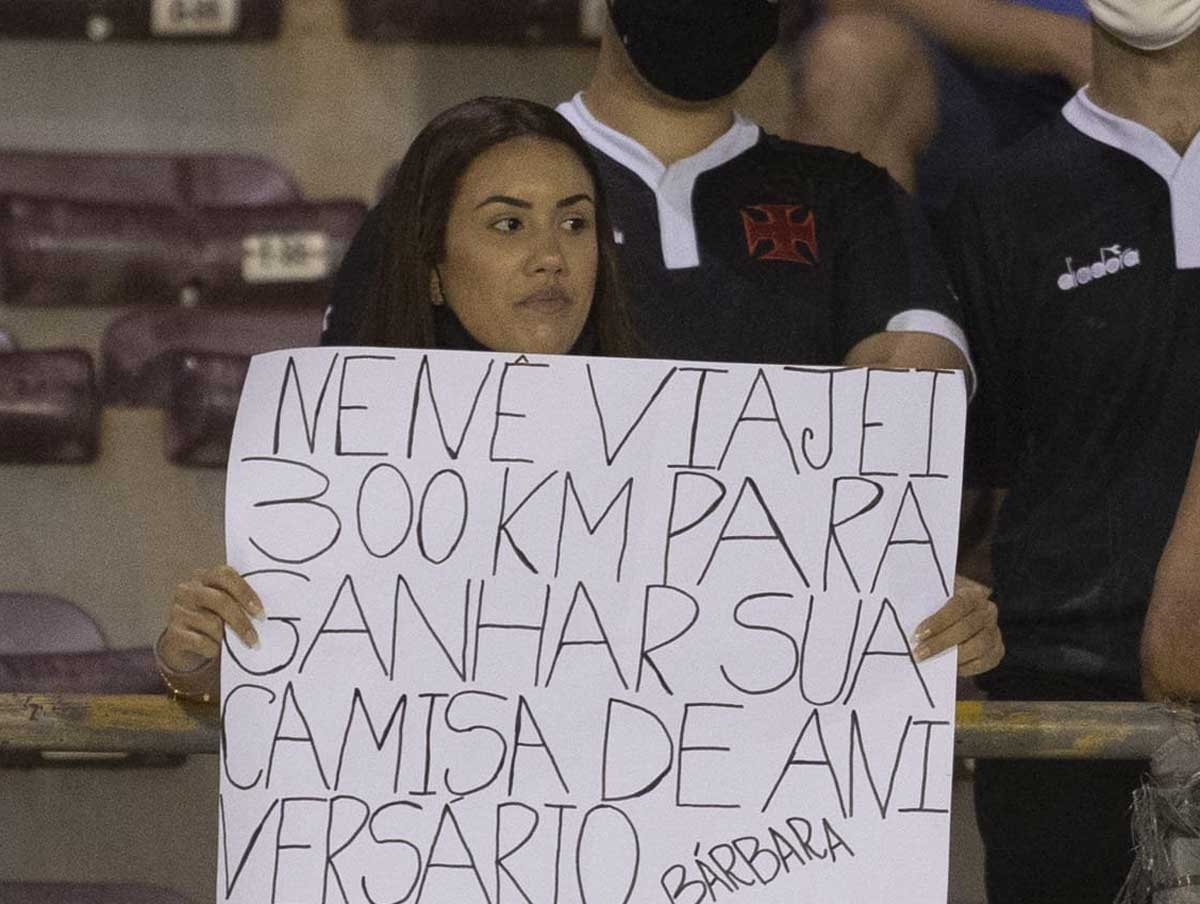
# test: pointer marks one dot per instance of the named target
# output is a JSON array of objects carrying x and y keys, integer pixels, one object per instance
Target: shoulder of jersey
[
  {"x": 816, "y": 160},
  {"x": 1039, "y": 165}
]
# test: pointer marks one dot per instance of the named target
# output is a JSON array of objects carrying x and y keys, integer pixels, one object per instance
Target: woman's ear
[{"x": 436, "y": 295}]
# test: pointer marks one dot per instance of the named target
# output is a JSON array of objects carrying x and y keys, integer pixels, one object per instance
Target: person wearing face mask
[
  {"x": 1077, "y": 257},
  {"x": 735, "y": 245}
]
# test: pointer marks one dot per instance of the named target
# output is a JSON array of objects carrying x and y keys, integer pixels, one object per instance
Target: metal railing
[{"x": 156, "y": 724}]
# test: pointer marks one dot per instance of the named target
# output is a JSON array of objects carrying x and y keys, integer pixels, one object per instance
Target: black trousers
[{"x": 1055, "y": 832}]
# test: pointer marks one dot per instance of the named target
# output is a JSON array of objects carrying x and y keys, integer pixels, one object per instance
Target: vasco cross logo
[
  {"x": 1113, "y": 259},
  {"x": 776, "y": 224}
]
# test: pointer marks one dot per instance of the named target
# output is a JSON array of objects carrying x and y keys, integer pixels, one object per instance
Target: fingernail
[
  {"x": 920, "y": 653},
  {"x": 919, "y": 635},
  {"x": 251, "y": 640}
]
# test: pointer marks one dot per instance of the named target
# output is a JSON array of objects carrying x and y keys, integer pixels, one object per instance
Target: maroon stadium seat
[
  {"x": 468, "y": 21},
  {"x": 283, "y": 254},
  {"x": 112, "y": 230},
  {"x": 238, "y": 180},
  {"x": 50, "y": 645},
  {"x": 100, "y": 20},
  {"x": 86, "y": 893},
  {"x": 157, "y": 179},
  {"x": 49, "y": 407},
  {"x": 141, "y": 351},
  {"x": 43, "y": 623},
  {"x": 79, "y": 253},
  {"x": 193, "y": 362},
  {"x": 201, "y": 407},
  {"x": 93, "y": 672},
  {"x": 103, "y": 178}
]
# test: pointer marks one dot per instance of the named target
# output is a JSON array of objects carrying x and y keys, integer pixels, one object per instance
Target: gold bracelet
[
  {"x": 179, "y": 694},
  {"x": 176, "y": 693}
]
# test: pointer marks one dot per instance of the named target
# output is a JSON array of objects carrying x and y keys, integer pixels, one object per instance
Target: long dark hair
[{"x": 416, "y": 206}]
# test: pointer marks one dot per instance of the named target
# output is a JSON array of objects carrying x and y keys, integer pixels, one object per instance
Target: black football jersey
[
  {"x": 1077, "y": 258},
  {"x": 764, "y": 250},
  {"x": 755, "y": 249}
]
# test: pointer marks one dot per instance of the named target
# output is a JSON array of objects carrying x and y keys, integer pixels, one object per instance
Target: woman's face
[{"x": 520, "y": 263}]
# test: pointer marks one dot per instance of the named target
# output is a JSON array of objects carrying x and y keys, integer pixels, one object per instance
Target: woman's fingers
[
  {"x": 961, "y": 619},
  {"x": 199, "y": 595},
  {"x": 967, "y": 595},
  {"x": 199, "y": 620},
  {"x": 968, "y": 620},
  {"x": 196, "y": 643},
  {"x": 992, "y": 653},
  {"x": 226, "y": 578}
]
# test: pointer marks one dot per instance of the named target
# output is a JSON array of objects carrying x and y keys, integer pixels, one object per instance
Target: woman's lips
[{"x": 550, "y": 300}]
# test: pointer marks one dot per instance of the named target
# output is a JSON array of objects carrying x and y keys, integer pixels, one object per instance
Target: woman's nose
[{"x": 546, "y": 256}]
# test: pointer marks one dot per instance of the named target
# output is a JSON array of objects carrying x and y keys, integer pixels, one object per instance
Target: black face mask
[{"x": 695, "y": 50}]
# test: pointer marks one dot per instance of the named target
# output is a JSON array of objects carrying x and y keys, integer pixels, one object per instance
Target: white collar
[
  {"x": 740, "y": 137},
  {"x": 1180, "y": 172}
]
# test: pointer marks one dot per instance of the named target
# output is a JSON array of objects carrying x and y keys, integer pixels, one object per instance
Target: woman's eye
[
  {"x": 576, "y": 224},
  {"x": 507, "y": 224}
]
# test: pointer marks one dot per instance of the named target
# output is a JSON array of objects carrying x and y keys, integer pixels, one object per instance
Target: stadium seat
[
  {"x": 113, "y": 230},
  {"x": 133, "y": 20},
  {"x": 471, "y": 21},
  {"x": 141, "y": 350},
  {"x": 50, "y": 645},
  {"x": 49, "y": 407},
  {"x": 201, "y": 406},
  {"x": 43, "y": 623},
  {"x": 192, "y": 362},
  {"x": 282, "y": 254},
  {"x": 156, "y": 179},
  {"x": 88, "y": 254}
]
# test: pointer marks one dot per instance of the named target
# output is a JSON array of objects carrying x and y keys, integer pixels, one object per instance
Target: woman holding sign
[{"x": 497, "y": 238}]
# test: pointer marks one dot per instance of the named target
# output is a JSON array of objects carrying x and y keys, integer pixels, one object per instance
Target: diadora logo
[{"x": 1113, "y": 259}]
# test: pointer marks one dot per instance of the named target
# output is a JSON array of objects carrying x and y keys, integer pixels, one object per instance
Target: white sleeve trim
[{"x": 923, "y": 320}]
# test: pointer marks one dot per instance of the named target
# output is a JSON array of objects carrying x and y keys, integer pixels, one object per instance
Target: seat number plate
[
  {"x": 183, "y": 18},
  {"x": 285, "y": 257}
]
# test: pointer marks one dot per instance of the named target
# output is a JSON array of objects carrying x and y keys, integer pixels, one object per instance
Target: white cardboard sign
[{"x": 571, "y": 630}]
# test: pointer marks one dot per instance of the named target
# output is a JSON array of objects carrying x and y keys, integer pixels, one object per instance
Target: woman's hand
[
  {"x": 200, "y": 610},
  {"x": 967, "y": 621}
]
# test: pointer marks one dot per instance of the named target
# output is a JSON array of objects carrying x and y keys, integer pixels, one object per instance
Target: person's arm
[
  {"x": 923, "y": 351},
  {"x": 1004, "y": 34},
  {"x": 968, "y": 620},
  {"x": 1171, "y": 633}
]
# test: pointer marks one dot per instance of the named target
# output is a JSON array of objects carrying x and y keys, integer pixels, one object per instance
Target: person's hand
[
  {"x": 968, "y": 621},
  {"x": 200, "y": 610}
]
